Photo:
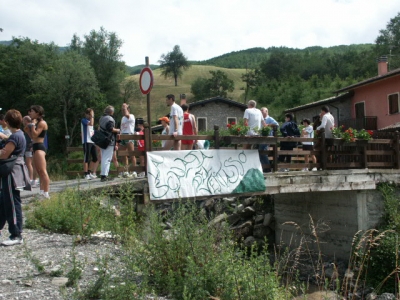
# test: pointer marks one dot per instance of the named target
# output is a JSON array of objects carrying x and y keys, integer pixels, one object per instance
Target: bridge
[
  {"x": 347, "y": 200},
  {"x": 342, "y": 192}
]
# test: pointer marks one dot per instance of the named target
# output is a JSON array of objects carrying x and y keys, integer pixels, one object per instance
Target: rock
[
  {"x": 233, "y": 219},
  {"x": 28, "y": 283},
  {"x": 260, "y": 231},
  {"x": 239, "y": 208},
  {"x": 249, "y": 241},
  {"x": 59, "y": 281},
  {"x": 6, "y": 282},
  {"x": 249, "y": 201},
  {"x": 217, "y": 219},
  {"x": 386, "y": 296},
  {"x": 209, "y": 204},
  {"x": 371, "y": 296},
  {"x": 248, "y": 212},
  {"x": 258, "y": 219},
  {"x": 229, "y": 200},
  {"x": 243, "y": 230},
  {"x": 267, "y": 219}
]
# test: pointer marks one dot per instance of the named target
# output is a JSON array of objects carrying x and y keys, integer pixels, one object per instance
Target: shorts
[
  {"x": 308, "y": 147},
  {"x": 28, "y": 154},
  {"x": 38, "y": 146},
  {"x": 187, "y": 142},
  {"x": 89, "y": 150}
]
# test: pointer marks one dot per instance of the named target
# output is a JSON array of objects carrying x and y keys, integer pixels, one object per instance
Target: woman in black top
[{"x": 37, "y": 132}]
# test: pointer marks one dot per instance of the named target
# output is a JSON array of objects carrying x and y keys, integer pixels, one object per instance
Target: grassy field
[{"x": 163, "y": 86}]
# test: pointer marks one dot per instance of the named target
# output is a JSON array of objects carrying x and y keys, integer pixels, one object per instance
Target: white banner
[{"x": 194, "y": 173}]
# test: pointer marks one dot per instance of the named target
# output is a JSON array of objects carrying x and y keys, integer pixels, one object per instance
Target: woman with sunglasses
[{"x": 37, "y": 132}]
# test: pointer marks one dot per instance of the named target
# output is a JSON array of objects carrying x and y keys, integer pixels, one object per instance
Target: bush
[
  {"x": 71, "y": 212},
  {"x": 196, "y": 261}
]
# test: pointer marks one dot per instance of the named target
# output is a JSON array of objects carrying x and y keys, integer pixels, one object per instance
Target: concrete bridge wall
[{"x": 337, "y": 216}]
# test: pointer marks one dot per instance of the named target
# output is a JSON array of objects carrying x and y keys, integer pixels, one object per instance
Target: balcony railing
[
  {"x": 367, "y": 123},
  {"x": 383, "y": 151}
]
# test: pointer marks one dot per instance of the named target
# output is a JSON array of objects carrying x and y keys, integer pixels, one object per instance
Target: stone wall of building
[
  {"x": 217, "y": 113},
  {"x": 339, "y": 110}
]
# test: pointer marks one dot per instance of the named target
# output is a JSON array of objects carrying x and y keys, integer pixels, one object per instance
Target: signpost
[{"x": 146, "y": 84}]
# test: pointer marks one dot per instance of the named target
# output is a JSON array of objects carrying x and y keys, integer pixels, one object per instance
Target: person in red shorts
[
  {"x": 189, "y": 128},
  {"x": 140, "y": 143}
]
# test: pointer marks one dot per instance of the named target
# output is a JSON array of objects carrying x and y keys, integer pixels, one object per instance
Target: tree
[
  {"x": 173, "y": 63},
  {"x": 19, "y": 64},
  {"x": 66, "y": 90},
  {"x": 200, "y": 89},
  {"x": 218, "y": 85},
  {"x": 251, "y": 81},
  {"x": 102, "y": 49},
  {"x": 388, "y": 42},
  {"x": 130, "y": 89}
]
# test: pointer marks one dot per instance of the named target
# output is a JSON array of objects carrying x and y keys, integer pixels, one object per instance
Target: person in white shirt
[
  {"x": 128, "y": 127},
  {"x": 176, "y": 120},
  {"x": 254, "y": 119},
  {"x": 327, "y": 122},
  {"x": 90, "y": 161},
  {"x": 308, "y": 132}
]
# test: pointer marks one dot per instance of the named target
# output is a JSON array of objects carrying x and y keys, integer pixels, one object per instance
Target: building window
[
  {"x": 393, "y": 103},
  {"x": 231, "y": 120},
  {"x": 201, "y": 124}
]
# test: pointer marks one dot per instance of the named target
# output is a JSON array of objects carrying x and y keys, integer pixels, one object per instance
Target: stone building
[
  {"x": 216, "y": 111},
  {"x": 339, "y": 106}
]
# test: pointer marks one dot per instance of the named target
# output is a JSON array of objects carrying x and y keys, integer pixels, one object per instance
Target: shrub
[
  {"x": 196, "y": 261},
  {"x": 71, "y": 212}
]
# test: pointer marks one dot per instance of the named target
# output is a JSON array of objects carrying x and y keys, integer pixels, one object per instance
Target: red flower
[
  {"x": 238, "y": 129},
  {"x": 233, "y": 123},
  {"x": 229, "y": 125},
  {"x": 370, "y": 132}
]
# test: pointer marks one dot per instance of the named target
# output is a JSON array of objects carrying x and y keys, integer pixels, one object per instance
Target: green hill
[
  {"x": 251, "y": 58},
  {"x": 163, "y": 86}
]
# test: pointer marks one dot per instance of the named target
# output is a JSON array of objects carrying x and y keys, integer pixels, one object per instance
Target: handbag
[
  {"x": 7, "y": 165},
  {"x": 101, "y": 139}
]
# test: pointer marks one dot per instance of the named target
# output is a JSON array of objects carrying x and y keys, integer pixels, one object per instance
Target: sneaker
[
  {"x": 92, "y": 176},
  {"x": 141, "y": 175},
  {"x": 126, "y": 175},
  {"x": 314, "y": 169},
  {"x": 34, "y": 183},
  {"x": 282, "y": 170},
  {"x": 106, "y": 178},
  {"x": 13, "y": 241},
  {"x": 87, "y": 177},
  {"x": 305, "y": 169},
  {"x": 121, "y": 174}
]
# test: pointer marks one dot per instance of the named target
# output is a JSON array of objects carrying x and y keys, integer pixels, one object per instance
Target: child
[{"x": 308, "y": 132}]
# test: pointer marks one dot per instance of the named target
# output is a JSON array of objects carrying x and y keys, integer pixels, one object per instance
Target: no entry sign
[{"x": 146, "y": 80}]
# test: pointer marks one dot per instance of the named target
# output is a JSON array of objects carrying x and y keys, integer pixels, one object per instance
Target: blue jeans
[{"x": 263, "y": 158}]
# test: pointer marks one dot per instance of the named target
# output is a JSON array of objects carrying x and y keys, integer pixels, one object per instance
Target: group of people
[
  {"x": 180, "y": 122},
  {"x": 257, "y": 118},
  {"x": 21, "y": 137}
]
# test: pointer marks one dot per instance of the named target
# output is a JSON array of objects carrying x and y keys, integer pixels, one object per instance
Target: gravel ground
[{"x": 21, "y": 279}]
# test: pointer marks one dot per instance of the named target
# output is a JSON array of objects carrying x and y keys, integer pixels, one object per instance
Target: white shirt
[
  {"x": 128, "y": 124},
  {"x": 327, "y": 122},
  {"x": 309, "y": 134},
  {"x": 254, "y": 118},
  {"x": 176, "y": 110}
]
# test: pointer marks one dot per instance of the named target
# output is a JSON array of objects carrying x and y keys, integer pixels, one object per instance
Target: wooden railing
[{"x": 331, "y": 153}]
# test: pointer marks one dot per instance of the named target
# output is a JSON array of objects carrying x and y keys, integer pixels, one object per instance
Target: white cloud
[{"x": 204, "y": 29}]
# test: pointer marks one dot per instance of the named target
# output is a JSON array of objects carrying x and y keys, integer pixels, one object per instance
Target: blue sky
[{"x": 203, "y": 28}]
